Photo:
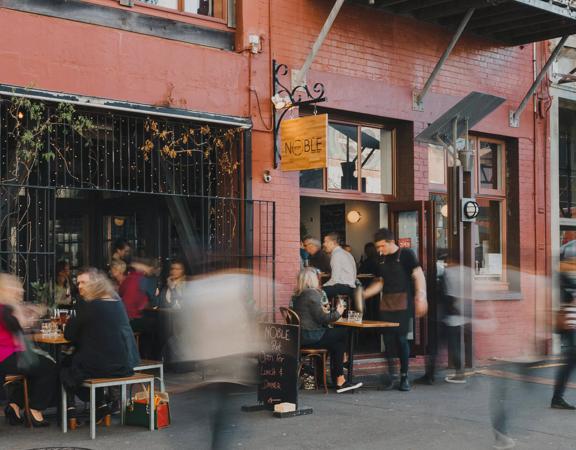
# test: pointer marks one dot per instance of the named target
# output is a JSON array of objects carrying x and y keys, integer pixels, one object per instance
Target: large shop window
[
  {"x": 360, "y": 159},
  {"x": 212, "y": 8},
  {"x": 489, "y": 231}
]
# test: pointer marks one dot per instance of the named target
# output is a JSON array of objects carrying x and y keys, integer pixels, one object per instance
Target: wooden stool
[{"x": 13, "y": 379}]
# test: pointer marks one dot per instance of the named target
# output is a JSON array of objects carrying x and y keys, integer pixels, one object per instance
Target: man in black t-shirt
[{"x": 401, "y": 281}]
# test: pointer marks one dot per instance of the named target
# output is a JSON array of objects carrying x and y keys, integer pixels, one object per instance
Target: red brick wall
[{"x": 370, "y": 63}]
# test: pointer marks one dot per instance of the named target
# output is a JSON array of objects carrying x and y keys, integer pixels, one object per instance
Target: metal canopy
[
  {"x": 468, "y": 112},
  {"x": 511, "y": 22}
]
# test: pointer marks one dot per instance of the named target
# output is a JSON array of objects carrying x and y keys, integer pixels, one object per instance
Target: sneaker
[
  {"x": 425, "y": 380},
  {"x": 347, "y": 387},
  {"x": 404, "y": 384},
  {"x": 560, "y": 403},
  {"x": 456, "y": 379}
]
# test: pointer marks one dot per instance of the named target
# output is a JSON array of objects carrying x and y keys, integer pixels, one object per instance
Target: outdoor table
[
  {"x": 353, "y": 329},
  {"x": 54, "y": 342}
]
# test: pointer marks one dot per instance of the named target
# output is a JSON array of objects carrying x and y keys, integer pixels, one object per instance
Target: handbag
[
  {"x": 138, "y": 409},
  {"x": 29, "y": 358}
]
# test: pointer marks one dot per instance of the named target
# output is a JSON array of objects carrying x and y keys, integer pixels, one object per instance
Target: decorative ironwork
[
  {"x": 188, "y": 203},
  {"x": 291, "y": 98}
]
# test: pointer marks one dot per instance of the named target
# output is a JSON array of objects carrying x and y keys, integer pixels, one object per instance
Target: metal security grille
[{"x": 199, "y": 188}]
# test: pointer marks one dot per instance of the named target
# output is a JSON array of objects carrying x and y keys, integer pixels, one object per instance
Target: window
[
  {"x": 360, "y": 159},
  {"x": 212, "y": 8},
  {"x": 489, "y": 235},
  {"x": 436, "y": 165}
]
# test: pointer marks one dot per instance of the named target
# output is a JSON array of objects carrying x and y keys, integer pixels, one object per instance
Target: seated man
[
  {"x": 318, "y": 258},
  {"x": 343, "y": 268}
]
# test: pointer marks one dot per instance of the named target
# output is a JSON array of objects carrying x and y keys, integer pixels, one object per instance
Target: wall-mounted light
[
  {"x": 281, "y": 102},
  {"x": 353, "y": 216}
]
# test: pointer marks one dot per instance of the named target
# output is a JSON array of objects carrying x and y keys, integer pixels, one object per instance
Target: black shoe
[
  {"x": 11, "y": 416},
  {"x": 102, "y": 411},
  {"x": 404, "y": 384},
  {"x": 560, "y": 403},
  {"x": 425, "y": 380},
  {"x": 38, "y": 423},
  {"x": 347, "y": 387}
]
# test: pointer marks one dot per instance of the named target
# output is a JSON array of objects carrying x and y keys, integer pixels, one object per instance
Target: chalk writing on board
[{"x": 278, "y": 365}]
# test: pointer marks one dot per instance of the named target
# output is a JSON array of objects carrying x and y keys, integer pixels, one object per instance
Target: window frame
[
  {"x": 357, "y": 193},
  {"x": 499, "y": 195},
  {"x": 226, "y": 4},
  {"x": 501, "y": 191}
]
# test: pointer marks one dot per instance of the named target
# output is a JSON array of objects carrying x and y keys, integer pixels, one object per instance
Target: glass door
[{"x": 408, "y": 221}]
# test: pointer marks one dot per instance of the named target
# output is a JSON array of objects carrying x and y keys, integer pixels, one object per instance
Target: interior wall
[{"x": 357, "y": 234}]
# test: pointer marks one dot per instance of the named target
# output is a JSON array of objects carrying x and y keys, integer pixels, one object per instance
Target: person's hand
[{"x": 340, "y": 308}]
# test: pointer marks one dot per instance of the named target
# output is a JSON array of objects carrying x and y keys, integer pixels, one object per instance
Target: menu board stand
[{"x": 278, "y": 368}]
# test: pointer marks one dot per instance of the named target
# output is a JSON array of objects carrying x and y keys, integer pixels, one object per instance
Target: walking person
[
  {"x": 401, "y": 281},
  {"x": 567, "y": 328}
]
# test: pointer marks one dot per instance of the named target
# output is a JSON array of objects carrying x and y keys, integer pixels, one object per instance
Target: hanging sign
[{"x": 303, "y": 142}]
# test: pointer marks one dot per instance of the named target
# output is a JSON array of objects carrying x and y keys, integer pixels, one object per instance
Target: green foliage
[
  {"x": 42, "y": 293},
  {"x": 34, "y": 121}
]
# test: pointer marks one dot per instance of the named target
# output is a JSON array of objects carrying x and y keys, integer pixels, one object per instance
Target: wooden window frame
[
  {"x": 501, "y": 191},
  {"x": 180, "y": 10},
  {"x": 357, "y": 194},
  {"x": 499, "y": 195}
]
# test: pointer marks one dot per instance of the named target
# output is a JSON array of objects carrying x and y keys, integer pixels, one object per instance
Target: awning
[{"x": 511, "y": 22}]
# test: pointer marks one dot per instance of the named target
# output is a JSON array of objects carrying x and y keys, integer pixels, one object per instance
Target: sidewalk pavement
[{"x": 443, "y": 416}]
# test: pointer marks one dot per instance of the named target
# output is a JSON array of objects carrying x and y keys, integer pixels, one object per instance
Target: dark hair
[
  {"x": 370, "y": 250},
  {"x": 384, "y": 234},
  {"x": 120, "y": 244},
  {"x": 333, "y": 236},
  {"x": 181, "y": 262},
  {"x": 61, "y": 265}
]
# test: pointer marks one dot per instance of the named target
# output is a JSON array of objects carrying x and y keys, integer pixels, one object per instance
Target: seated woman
[
  {"x": 42, "y": 377},
  {"x": 171, "y": 295},
  {"x": 63, "y": 289},
  {"x": 307, "y": 303},
  {"x": 101, "y": 333}
]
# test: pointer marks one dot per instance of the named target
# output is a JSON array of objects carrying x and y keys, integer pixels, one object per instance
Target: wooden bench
[
  {"x": 95, "y": 383},
  {"x": 149, "y": 364},
  {"x": 16, "y": 378}
]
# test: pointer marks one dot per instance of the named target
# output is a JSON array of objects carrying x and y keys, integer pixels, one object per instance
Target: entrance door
[{"x": 408, "y": 221}]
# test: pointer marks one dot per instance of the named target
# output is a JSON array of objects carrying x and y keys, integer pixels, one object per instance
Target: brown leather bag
[{"x": 394, "y": 302}]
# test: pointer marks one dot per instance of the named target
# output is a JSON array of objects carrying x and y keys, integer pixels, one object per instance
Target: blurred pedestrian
[
  {"x": 219, "y": 331},
  {"x": 566, "y": 326}
]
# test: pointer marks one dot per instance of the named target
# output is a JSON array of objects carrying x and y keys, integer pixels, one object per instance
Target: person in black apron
[{"x": 400, "y": 279}]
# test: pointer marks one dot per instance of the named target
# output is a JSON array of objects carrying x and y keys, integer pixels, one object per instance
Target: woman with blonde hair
[
  {"x": 42, "y": 376},
  {"x": 314, "y": 319},
  {"x": 101, "y": 333}
]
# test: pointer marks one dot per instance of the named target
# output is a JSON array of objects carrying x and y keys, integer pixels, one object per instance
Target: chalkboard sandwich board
[{"x": 278, "y": 369}]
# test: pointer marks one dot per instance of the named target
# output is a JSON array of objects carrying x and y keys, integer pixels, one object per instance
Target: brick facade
[{"x": 370, "y": 63}]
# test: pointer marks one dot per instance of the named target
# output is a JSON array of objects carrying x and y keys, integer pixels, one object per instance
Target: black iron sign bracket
[{"x": 285, "y": 99}]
